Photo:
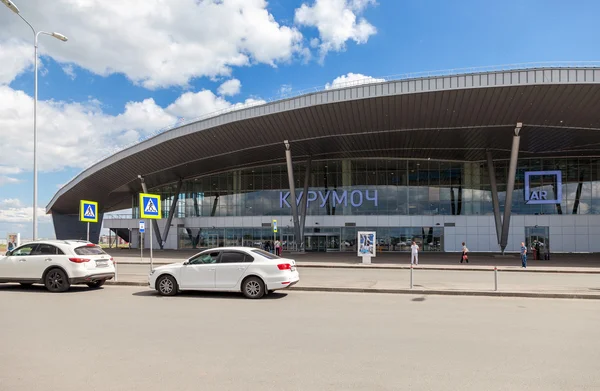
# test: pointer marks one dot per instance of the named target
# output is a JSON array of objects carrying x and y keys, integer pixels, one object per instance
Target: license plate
[{"x": 101, "y": 264}]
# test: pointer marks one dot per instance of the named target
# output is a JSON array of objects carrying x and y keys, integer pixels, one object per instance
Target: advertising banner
[
  {"x": 366, "y": 243},
  {"x": 13, "y": 240}
]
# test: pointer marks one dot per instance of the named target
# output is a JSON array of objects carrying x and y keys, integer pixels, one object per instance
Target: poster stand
[{"x": 366, "y": 246}]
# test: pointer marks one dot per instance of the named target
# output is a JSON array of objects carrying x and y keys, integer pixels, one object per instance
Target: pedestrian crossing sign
[
  {"x": 150, "y": 206},
  {"x": 88, "y": 211}
]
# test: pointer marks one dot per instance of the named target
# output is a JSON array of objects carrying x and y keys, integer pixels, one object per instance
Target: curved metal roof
[{"x": 446, "y": 117}]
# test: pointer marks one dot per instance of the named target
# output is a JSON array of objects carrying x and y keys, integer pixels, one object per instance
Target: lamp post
[{"x": 11, "y": 6}]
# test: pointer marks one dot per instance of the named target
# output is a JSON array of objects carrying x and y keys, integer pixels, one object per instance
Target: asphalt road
[
  {"x": 126, "y": 338},
  {"x": 422, "y": 279}
]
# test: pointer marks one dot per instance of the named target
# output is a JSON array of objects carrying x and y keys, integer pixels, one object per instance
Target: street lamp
[{"x": 11, "y": 6}]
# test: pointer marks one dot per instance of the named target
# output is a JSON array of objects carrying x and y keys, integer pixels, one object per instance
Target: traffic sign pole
[
  {"x": 151, "y": 264},
  {"x": 141, "y": 247},
  {"x": 150, "y": 209},
  {"x": 88, "y": 231},
  {"x": 142, "y": 230}
]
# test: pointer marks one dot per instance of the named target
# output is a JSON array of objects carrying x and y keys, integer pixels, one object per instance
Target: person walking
[
  {"x": 523, "y": 255},
  {"x": 278, "y": 248},
  {"x": 465, "y": 253},
  {"x": 414, "y": 253}
]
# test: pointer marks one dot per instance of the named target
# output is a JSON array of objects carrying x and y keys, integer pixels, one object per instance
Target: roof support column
[
  {"x": 215, "y": 203},
  {"x": 154, "y": 222},
  {"x": 495, "y": 200},
  {"x": 172, "y": 212},
  {"x": 304, "y": 204},
  {"x": 510, "y": 186},
  {"x": 290, "y": 169}
]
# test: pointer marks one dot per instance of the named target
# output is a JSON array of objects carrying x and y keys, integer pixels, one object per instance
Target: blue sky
[{"x": 109, "y": 85}]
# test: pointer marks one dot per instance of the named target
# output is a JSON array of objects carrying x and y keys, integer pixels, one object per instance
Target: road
[
  {"x": 423, "y": 279},
  {"x": 126, "y": 338}
]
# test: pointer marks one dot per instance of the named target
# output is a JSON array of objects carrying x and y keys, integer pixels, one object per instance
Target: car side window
[
  {"x": 46, "y": 249},
  {"x": 205, "y": 258},
  {"x": 232, "y": 257},
  {"x": 248, "y": 258},
  {"x": 24, "y": 251}
]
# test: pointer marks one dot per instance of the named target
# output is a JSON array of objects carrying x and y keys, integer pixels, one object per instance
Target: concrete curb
[
  {"x": 437, "y": 292},
  {"x": 127, "y": 283},
  {"x": 514, "y": 269}
]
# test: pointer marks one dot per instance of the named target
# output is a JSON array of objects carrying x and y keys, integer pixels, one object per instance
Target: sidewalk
[
  {"x": 560, "y": 263},
  {"x": 425, "y": 281}
]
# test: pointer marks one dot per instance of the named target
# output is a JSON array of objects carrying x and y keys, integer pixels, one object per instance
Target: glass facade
[
  {"x": 376, "y": 187},
  {"x": 329, "y": 239},
  {"x": 387, "y": 187}
]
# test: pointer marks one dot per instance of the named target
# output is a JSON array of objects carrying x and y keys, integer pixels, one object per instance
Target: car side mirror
[
  {"x": 186, "y": 263},
  {"x": 8, "y": 253}
]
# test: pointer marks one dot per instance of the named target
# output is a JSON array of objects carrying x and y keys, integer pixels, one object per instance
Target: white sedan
[{"x": 252, "y": 271}]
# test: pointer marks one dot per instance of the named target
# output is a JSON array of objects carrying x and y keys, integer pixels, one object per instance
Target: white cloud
[
  {"x": 155, "y": 43},
  {"x": 77, "y": 134},
  {"x": 351, "y": 79},
  {"x": 13, "y": 211},
  {"x": 15, "y": 56},
  {"x": 8, "y": 170},
  {"x": 337, "y": 22},
  {"x": 230, "y": 87},
  {"x": 194, "y": 104},
  {"x": 285, "y": 89},
  {"x": 69, "y": 71},
  {"x": 6, "y": 180},
  {"x": 10, "y": 203}
]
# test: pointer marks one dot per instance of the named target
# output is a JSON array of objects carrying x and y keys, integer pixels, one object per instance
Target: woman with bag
[{"x": 465, "y": 254}]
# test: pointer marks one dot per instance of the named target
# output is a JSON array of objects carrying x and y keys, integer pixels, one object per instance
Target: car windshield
[
  {"x": 89, "y": 250},
  {"x": 266, "y": 254}
]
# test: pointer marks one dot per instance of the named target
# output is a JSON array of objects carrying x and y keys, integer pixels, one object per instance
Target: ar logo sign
[{"x": 537, "y": 197}]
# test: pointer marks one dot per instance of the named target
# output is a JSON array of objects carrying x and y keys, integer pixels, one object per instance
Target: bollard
[
  {"x": 411, "y": 276},
  {"x": 495, "y": 278}
]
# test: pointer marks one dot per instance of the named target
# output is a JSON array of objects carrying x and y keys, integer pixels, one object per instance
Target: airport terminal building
[{"x": 492, "y": 159}]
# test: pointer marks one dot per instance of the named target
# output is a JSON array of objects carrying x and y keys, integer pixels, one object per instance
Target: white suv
[{"x": 57, "y": 264}]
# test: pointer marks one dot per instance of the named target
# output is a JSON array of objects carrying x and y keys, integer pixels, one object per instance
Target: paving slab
[{"x": 425, "y": 281}]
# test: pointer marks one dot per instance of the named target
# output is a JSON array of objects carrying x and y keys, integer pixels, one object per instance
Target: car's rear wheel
[
  {"x": 253, "y": 288},
  {"x": 96, "y": 284},
  {"x": 166, "y": 285},
  {"x": 56, "y": 281}
]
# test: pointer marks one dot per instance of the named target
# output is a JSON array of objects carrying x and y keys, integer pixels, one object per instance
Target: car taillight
[
  {"x": 79, "y": 260},
  {"x": 111, "y": 258},
  {"x": 284, "y": 266},
  {"x": 90, "y": 245}
]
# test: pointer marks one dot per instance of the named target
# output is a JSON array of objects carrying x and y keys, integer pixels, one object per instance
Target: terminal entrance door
[
  {"x": 288, "y": 243},
  {"x": 212, "y": 240},
  {"x": 537, "y": 240},
  {"x": 322, "y": 242}
]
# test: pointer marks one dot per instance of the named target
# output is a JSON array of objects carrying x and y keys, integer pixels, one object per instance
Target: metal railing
[
  {"x": 117, "y": 216},
  {"x": 367, "y": 80}
]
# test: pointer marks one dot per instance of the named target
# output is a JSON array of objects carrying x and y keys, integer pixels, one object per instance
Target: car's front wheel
[
  {"x": 96, "y": 284},
  {"x": 56, "y": 281},
  {"x": 253, "y": 288},
  {"x": 166, "y": 285}
]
